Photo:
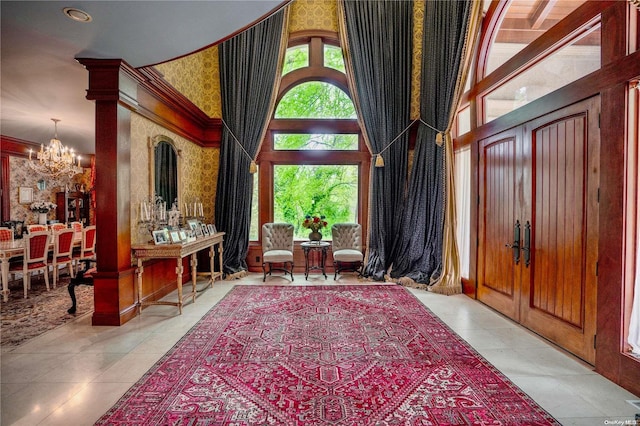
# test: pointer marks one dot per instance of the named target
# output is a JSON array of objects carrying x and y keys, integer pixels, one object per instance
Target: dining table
[{"x": 15, "y": 248}]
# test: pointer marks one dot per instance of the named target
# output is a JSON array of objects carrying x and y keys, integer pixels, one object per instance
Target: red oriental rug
[{"x": 323, "y": 355}]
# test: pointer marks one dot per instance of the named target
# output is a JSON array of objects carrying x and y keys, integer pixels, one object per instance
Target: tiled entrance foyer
[{"x": 73, "y": 374}]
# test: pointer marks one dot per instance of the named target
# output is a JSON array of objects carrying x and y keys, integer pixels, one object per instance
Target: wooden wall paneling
[
  {"x": 114, "y": 93},
  {"x": 469, "y": 286},
  {"x": 610, "y": 246},
  {"x": 5, "y": 184}
]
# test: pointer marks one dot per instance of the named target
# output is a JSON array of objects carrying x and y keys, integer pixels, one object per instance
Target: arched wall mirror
[{"x": 165, "y": 169}]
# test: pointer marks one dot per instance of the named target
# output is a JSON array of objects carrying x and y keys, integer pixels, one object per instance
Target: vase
[
  {"x": 42, "y": 218},
  {"x": 315, "y": 236}
]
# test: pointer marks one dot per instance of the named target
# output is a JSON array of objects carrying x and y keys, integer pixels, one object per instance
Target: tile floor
[{"x": 74, "y": 374}]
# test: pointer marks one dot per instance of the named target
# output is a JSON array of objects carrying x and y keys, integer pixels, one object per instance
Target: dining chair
[
  {"x": 6, "y": 234},
  {"x": 87, "y": 251},
  {"x": 277, "y": 248},
  {"x": 36, "y": 250},
  {"x": 54, "y": 227},
  {"x": 62, "y": 252},
  {"x": 347, "y": 248},
  {"x": 77, "y": 227},
  {"x": 36, "y": 228}
]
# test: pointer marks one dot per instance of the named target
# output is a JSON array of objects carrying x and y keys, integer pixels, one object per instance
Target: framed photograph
[
  {"x": 212, "y": 229},
  {"x": 198, "y": 232},
  {"x": 175, "y": 237},
  {"x": 26, "y": 195},
  {"x": 183, "y": 235},
  {"x": 205, "y": 230},
  {"x": 193, "y": 224},
  {"x": 161, "y": 236}
]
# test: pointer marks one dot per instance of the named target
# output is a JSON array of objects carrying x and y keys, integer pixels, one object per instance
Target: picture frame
[
  {"x": 160, "y": 236},
  {"x": 175, "y": 237},
  {"x": 205, "y": 230},
  {"x": 212, "y": 229},
  {"x": 25, "y": 195},
  {"x": 193, "y": 224},
  {"x": 183, "y": 235},
  {"x": 198, "y": 232}
]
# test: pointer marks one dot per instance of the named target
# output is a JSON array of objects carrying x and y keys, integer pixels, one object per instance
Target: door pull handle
[
  {"x": 515, "y": 246},
  {"x": 526, "y": 247}
]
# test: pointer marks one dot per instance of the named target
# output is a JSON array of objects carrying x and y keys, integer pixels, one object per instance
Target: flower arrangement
[
  {"x": 42, "y": 206},
  {"x": 315, "y": 223}
]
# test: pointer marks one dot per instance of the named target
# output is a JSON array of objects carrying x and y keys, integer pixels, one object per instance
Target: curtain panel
[
  {"x": 377, "y": 40},
  {"x": 418, "y": 251},
  {"x": 249, "y": 76}
]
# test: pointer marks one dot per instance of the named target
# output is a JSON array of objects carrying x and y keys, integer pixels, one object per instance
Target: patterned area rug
[
  {"x": 323, "y": 355},
  {"x": 24, "y": 319}
]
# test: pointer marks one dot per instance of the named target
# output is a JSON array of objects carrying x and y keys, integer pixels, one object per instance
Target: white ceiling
[{"x": 40, "y": 79}]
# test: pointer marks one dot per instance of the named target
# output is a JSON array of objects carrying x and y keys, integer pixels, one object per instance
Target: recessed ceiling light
[{"x": 77, "y": 14}]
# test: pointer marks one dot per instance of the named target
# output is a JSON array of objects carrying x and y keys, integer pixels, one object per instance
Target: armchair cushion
[
  {"x": 277, "y": 256},
  {"x": 348, "y": 255}
]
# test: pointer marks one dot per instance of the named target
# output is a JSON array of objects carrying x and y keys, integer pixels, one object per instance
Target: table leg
[
  {"x": 5, "y": 279},
  {"x": 212, "y": 256},
  {"x": 139, "y": 272},
  {"x": 179, "y": 270},
  {"x": 220, "y": 250},
  {"x": 194, "y": 274},
  {"x": 323, "y": 261},
  {"x": 306, "y": 262}
]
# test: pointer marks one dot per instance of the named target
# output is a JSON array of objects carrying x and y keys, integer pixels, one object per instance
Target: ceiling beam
[{"x": 540, "y": 13}]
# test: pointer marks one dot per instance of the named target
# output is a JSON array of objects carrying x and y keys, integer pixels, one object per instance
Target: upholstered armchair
[
  {"x": 347, "y": 248},
  {"x": 277, "y": 248}
]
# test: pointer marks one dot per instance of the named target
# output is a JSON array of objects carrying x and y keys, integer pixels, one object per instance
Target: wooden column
[{"x": 114, "y": 90}]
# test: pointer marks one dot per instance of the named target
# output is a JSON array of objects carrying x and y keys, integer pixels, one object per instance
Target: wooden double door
[{"x": 538, "y": 225}]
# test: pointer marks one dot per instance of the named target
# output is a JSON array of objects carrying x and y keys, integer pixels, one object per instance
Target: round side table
[{"x": 315, "y": 256}]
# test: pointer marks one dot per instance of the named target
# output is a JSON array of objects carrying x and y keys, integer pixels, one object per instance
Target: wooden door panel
[
  {"x": 559, "y": 287},
  {"x": 543, "y": 174},
  {"x": 497, "y": 286}
]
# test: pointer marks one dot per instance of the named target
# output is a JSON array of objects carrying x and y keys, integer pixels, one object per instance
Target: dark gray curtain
[
  {"x": 248, "y": 67},
  {"x": 380, "y": 44},
  {"x": 417, "y": 253}
]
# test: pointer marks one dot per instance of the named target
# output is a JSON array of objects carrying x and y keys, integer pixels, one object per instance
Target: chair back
[
  {"x": 36, "y": 228},
  {"x": 277, "y": 236},
  {"x": 63, "y": 243},
  {"x": 36, "y": 247},
  {"x": 6, "y": 234},
  {"x": 57, "y": 227},
  {"x": 346, "y": 236},
  {"x": 77, "y": 227},
  {"x": 88, "y": 241}
]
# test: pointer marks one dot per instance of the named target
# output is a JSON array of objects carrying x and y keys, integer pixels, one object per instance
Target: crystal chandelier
[{"x": 56, "y": 159}]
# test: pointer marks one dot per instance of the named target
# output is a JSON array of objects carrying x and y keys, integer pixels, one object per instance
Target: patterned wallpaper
[
  {"x": 199, "y": 171},
  {"x": 23, "y": 176},
  {"x": 314, "y": 15},
  {"x": 197, "y": 76}
]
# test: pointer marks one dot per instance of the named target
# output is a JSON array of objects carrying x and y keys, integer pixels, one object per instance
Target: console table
[
  {"x": 318, "y": 264},
  {"x": 179, "y": 251}
]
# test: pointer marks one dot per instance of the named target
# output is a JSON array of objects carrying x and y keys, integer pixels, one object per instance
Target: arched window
[
  {"x": 313, "y": 159},
  {"x": 525, "y": 71}
]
